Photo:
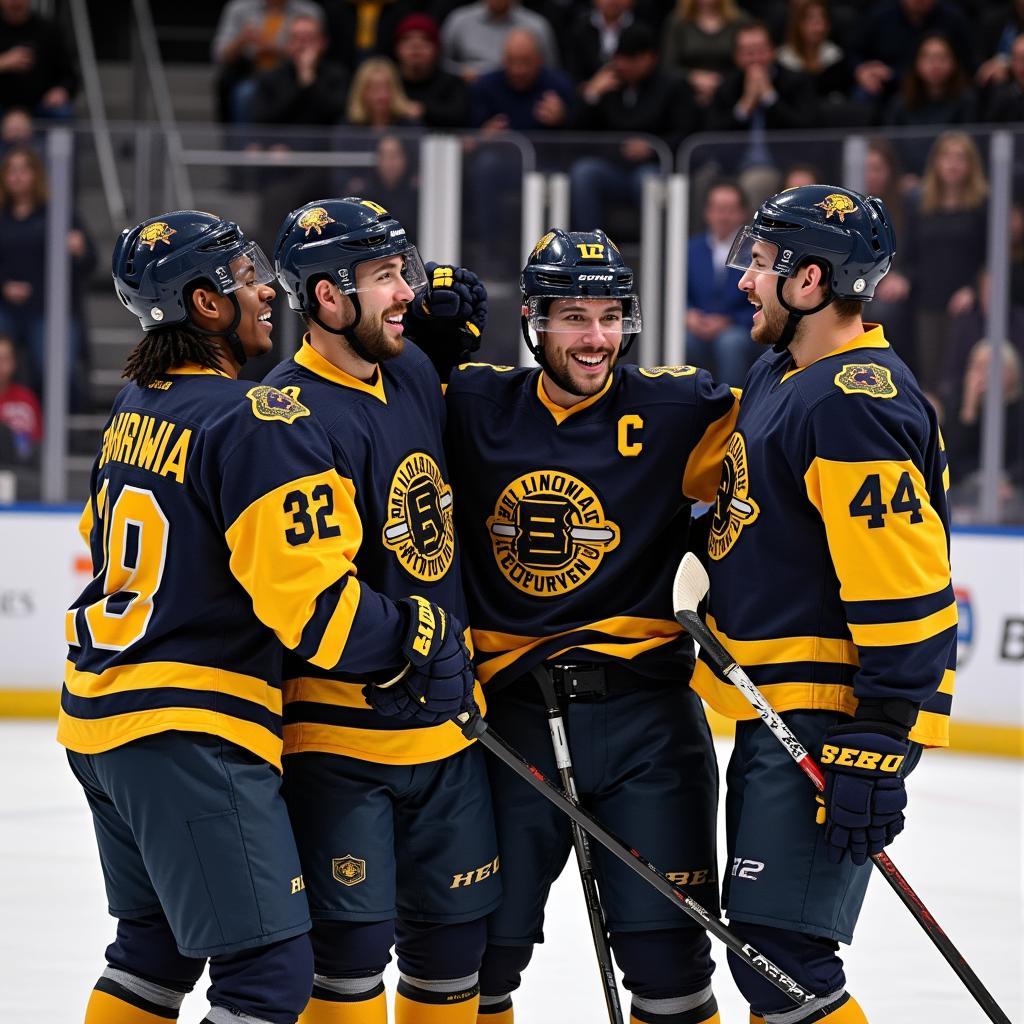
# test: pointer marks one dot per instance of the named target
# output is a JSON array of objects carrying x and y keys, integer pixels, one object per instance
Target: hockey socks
[
  {"x": 122, "y": 998},
  {"x": 346, "y": 1001},
  {"x": 698, "y": 1008},
  {"x": 495, "y": 1010},
  {"x": 452, "y": 1001},
  {"x": 839, "y": 1009}
]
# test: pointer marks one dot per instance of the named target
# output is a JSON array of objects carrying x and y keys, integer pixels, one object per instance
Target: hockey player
[
  {"x": 215, "y": 522},
  {"x": 392, "y": 817},
  {"x": 830, "y": 583},
  {"x": 575, "y": 482}
]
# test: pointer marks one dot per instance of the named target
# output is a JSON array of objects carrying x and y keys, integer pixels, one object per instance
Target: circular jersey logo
[
  {"x": 734, "y": 508},
  {"x": 420, "y": 528},
  {"x": 549, "y": 533}
]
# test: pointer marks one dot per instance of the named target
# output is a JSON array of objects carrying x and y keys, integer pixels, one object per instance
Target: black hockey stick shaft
[
  {"x": 591, "y": 896},
  {"x": 687, "y": 594},
  {"x": 475, "y": 728}
]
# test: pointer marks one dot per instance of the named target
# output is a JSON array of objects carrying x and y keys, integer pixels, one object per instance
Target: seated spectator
[
  {"x": 20, "y": 415},
  {"x": 358, "y": 29},
  {"x": 377, "y": 98},
  {"x": 392, "y": 182},
  {"x": 635, "y": 96},
  {"x": 810, "y": 50},
  {"x": 1000, "y": 28},
  {"x": 1006, "y": 101},
  {"x": 36, "y": 68},
  {"x": 718, "y": 314},
  {"x": 473, "y": 37},
  {"x": 935, "y": 92},
  {"x": 23, "y": 199},
  {"x": 760, "y": 95},
  {"x": 699, "y": 40},
  {"x": 798, "y": 175},
  {"x": 889, "y": 36},
  {"x": 251, "y": 36},
  {"x": 437, "y": 99},
  {"x": 944, "y": 247},
  {"x": 307, "y": 88},
  {"x": 594, "y": 37}
]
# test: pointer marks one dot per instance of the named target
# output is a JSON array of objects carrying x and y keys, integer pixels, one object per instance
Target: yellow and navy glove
[
  {"x": 439, "y": 681},
  {"x": 863, "y": 762},
  {"x": 448, "y": 318}
]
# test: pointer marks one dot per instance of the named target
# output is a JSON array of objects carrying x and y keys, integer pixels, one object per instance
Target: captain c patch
[
  {"x": 866, "y": 379},
  {"x": 270, "y": 404}
]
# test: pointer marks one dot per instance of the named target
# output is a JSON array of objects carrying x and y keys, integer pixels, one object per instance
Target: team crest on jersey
[
  {"x": 420, "y": 528},
  {"x": 549, "y": 533},
  {"x": 156, "y": 232},
  {"x": 837, "y": 204},
  {"x": 348, "y": 870},
  {"x": 671, "y": 371},
  {"x": 866, "y": 379},
  {"x": 270, "y": 404},
  {"x": 315, "y": 220},
  {"x": 734, "y": 508}
]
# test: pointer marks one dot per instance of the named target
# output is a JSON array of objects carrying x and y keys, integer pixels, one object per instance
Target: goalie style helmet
[
  {"x": 155, "y": 262},
  {"x": 329, "y": 238},
  {"x": 576, "y": 264},
  {"x": 849, "y": 233}
]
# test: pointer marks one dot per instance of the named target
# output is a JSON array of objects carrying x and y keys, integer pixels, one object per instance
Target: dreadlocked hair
[{"x": 170, "y": 346}]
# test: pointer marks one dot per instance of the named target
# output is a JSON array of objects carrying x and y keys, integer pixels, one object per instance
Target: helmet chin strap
[
  {"x": 229, "y": 334},
  {"x": 795, "y": 315},
  {"x": 348, "y": 333}
]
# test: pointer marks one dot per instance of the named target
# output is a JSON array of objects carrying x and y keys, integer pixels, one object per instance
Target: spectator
[
  {"x": 699, "y": 41},
  {"x": 889, "y": 37},
  {"x": 23, "y": 199},
  {"x": 809, "y": 50},
  {"x": 473, "y": 37},
  {"x": 633, "y": 97},
  {"x": 20, "y": 416},
  {"x": 999, "y": 30},
  {"x": 1006, "y": 102},
  {"x": 392, "y": 182},
  {"x": 251, "y": 36},
  {"x": 437, "y": 99},
  {"x": 36, "y": 68},
  {"x": 16, "y": 127},
  {"x": 935, "y": 92},
  {"x": 307, "y": 88},
  {"x": 594, "y": 37},
  {"x": 358, "y": 29},
  {"x": 718, "y": 314},
  {"x": 760, "y": 95},
  {"x": 945, "y": 247},
  {"x": 377, "y": 98},
  {"x": 798, "y": 175}
]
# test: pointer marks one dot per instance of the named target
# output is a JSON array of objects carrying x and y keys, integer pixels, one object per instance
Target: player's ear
[{"x": 204, "y": 305}]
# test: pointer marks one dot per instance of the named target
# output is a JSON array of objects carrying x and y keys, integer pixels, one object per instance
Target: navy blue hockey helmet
[
  {"x": 576, "y": 264},
  {"x": 155, "y": 262},
  {"x": 329, "y": 238},
  {"x": 851, "y": 234}
]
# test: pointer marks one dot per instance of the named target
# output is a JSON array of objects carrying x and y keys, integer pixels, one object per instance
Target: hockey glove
[
  {"x": 439, "y": 681},
  {"x": 447, "y": 319},
  {"x": 862, "y": 809}
]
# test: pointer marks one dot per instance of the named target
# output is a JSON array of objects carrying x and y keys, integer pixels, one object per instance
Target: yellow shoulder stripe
[{"x": 704, "y": 466}]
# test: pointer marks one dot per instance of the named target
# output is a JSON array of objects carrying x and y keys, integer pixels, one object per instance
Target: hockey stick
[
  {"x": 688, "y": 589},
  {"x": 475, "y": 728},
  {"x": 592, "y": 898}
]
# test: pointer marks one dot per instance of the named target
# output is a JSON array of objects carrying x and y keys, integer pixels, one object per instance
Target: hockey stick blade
[
  {"x": 475, "y": 728},
  {"x": 688, "y": 589}
]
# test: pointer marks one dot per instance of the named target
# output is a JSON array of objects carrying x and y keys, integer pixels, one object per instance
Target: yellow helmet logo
[
  {"x": 376, "y": 207},
  {"x": 838, "y": 204},
  {"x": 315, "y": 220},
  {"x": 156, "y": 232},
  {"x": 542, "y": 244}
]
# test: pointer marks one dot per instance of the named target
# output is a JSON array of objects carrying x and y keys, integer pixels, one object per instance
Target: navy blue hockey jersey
[
  {"x": 213, "y": 523},
  {"x": 572, "y": 520},
  {"x": 829, "y": 550},
  {"x": 398, "y": 521}
]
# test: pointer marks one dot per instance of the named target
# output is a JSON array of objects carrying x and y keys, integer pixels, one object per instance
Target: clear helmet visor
[
  {"x": 612, "y": 317},
  {"x": 751, "y": 253},
  {"x": 249, "y": 268},
  {"x": 382, "y": 272}
]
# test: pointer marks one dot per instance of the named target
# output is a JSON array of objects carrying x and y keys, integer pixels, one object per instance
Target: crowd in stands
[{"x": 645, "y": 74}]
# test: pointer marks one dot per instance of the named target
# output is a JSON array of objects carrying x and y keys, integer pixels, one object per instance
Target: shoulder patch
[
  {"x": 671, "y": 371},
  {"x": 489, "y": 366},
  {"x": 270, "y": 404},
  {"x": 866, "y": 379}
]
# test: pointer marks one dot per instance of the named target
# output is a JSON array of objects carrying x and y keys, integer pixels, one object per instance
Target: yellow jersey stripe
[
  {"x": 892, "y": 634},
  {"x": 325, "y": 691},
  {"x": 786, "y": 649},
  {"x": 490, "y": 641},
  {"x": 704, "y": 466},
  {"x": 335, "y": 637},
  {"x": 154, "y": 674}
]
